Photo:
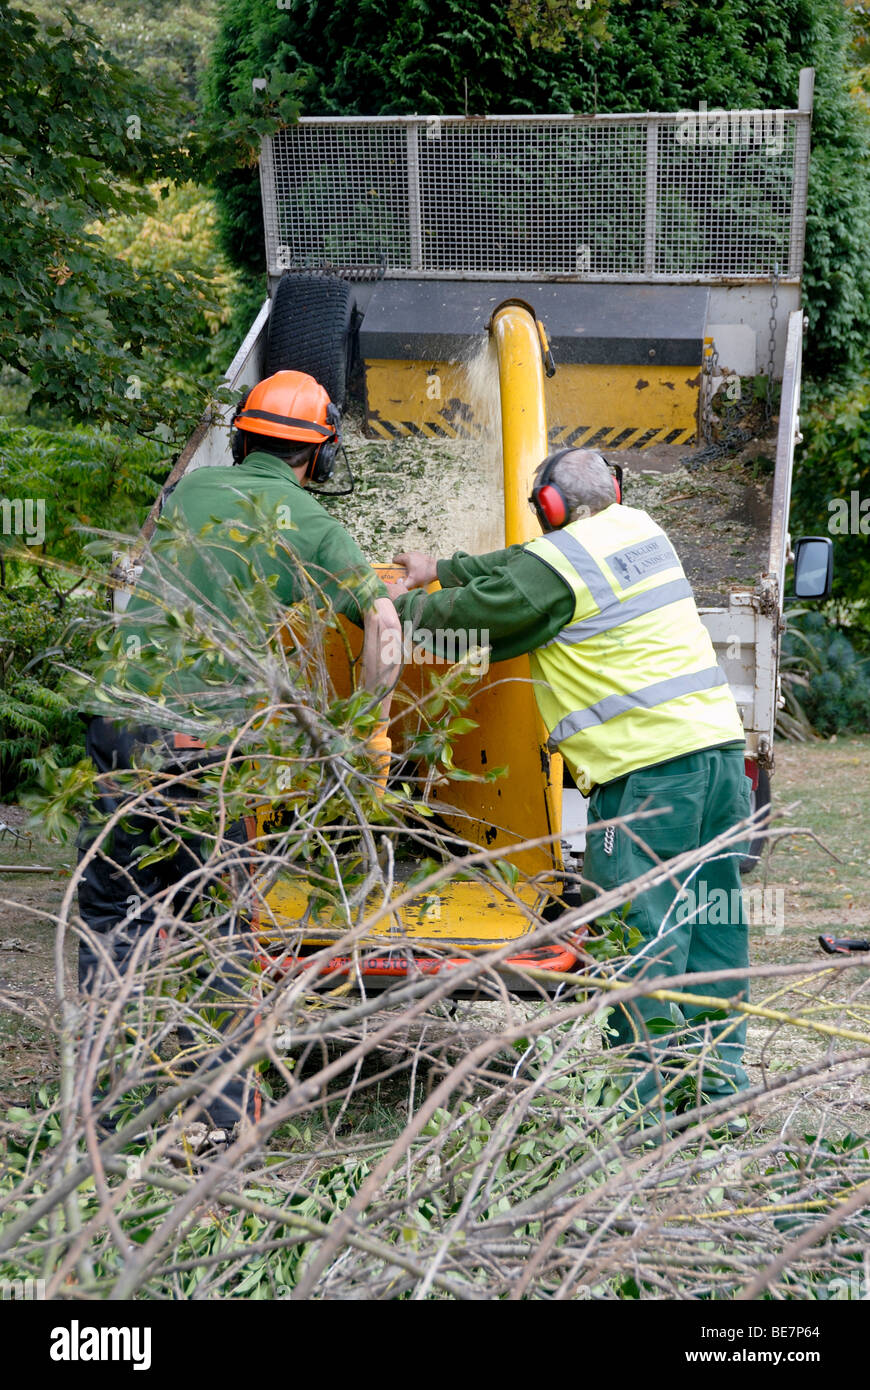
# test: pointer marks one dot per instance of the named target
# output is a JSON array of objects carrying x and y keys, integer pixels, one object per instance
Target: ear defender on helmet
[
  {"x": 549, "y": 501},
  {"x": 237, "y": 437},
  {"x": 324, "y": 460}
]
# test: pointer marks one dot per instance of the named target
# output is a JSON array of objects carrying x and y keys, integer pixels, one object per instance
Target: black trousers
[{"x": 115, "y": 889}]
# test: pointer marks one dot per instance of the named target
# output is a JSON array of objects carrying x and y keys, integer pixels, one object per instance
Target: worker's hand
[
  {"x": 394, "y": 590},
  {"x": 380, "y": 746},
  {"x": 420, "y": 569}
]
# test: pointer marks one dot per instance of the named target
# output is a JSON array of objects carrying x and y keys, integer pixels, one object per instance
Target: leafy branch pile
[{"x": 407, "y": 1147}]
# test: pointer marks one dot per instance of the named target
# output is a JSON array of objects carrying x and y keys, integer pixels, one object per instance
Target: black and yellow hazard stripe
[
  {"x": 591, "y": 406},
  {"x": 560, "y": 436},
  {"x": 421, "y": 429},
  {"x": 612, "y": 437}
]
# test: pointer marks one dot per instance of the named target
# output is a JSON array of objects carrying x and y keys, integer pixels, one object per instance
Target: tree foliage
[
  {"x": 84, "y": 140},
  {"x": 830, "y": 679},
  {"x": 81, "y": 138},
  {"x": 179, "y": 235},
  {"x": 161, "y": 39},
  {"x": 832, "y": 479},
  {"x": 39, "y": 725},
  {"x": 84, "y": 477},
  {"x": 80, "y": 479}
]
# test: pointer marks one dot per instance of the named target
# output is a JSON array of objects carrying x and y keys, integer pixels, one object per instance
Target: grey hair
[{"x": 586, "y": 481}]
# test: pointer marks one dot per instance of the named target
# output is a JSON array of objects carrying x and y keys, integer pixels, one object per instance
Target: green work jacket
[{"x": 223, "y": 534}]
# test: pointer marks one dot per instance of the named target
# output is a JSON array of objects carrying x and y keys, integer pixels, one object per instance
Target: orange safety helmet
[{"x": 293, "y": 406}]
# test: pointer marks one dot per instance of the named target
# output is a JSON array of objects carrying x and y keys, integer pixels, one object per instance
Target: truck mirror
[{"x": 813, "y": 567}]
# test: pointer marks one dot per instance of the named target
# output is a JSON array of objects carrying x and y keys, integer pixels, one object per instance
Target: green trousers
[{"x": 704, "y": 928}]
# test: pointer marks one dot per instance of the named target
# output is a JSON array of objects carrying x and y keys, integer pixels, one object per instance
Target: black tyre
[
  {"x": 757, "y": 799},
  {"x": 310, "y": 330}
]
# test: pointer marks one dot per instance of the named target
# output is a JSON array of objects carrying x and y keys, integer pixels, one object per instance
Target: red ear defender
[
  {"x": 616, "y": 475},
  {"x": 551, "y": 501},
  {"x": 548, "y": 500}
]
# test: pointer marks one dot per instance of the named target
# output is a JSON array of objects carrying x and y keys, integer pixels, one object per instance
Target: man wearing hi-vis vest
[{"x": 629, "y": 688}]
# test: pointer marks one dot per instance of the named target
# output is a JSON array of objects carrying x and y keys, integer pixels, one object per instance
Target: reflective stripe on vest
[
  {"x": 588, "y": 568},
  {"x": 618, "y": 613},
  {"x": 647, "y": 698}
]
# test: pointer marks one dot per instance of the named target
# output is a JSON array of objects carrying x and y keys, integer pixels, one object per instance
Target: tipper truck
[{"x": 638, "y": 278}]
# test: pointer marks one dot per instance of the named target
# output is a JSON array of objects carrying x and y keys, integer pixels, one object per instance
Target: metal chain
[
  {"x": 731, "y": 436},
  {"x": 771, "y": 343},
  {"x": 711, "y": 362}
]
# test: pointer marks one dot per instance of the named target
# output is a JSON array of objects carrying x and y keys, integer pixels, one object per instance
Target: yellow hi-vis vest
[{"x": 633, "y": 679}]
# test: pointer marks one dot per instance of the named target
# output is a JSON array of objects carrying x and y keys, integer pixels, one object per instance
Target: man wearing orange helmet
[{"x": 287, "y": 434}]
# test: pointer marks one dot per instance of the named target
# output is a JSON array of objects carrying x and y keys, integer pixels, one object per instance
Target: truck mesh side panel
[
  {"x": 693, "y": 197},
  {"x": 531, "y": 199},
  {"x": 338, "y": 195}
]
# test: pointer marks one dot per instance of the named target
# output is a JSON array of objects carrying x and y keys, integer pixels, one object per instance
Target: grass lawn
[{"x": 823, "y": 787}]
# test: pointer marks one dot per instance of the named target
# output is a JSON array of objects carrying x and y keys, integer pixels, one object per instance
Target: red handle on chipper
[{"x": 842, "y": 945}]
